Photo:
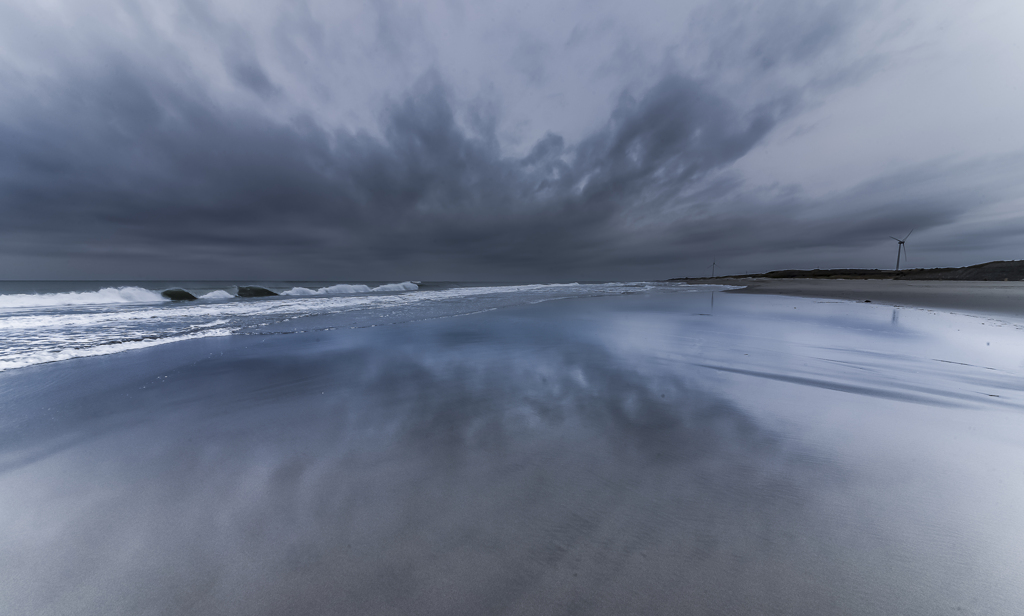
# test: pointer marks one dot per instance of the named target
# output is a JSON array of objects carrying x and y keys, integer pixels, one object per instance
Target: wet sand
[
  {"x": 983, "y": 297},
  {"x": 685, "y": 453}
]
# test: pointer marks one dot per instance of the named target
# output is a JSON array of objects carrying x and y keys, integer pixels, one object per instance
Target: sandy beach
[
  {"x": 671, "y": 452},
  {"x": 982, "y": 297}
]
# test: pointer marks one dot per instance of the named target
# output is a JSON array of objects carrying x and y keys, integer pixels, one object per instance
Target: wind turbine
[{"x": 901, "y": 247}]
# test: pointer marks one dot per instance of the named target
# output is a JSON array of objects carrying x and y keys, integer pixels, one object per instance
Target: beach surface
[
  {"x": 976, "y": 297},
  {"x": 657, "y": 451}
]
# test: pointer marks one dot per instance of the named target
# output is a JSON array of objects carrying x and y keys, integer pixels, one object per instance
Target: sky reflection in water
[{"x": 643, "y": 453}]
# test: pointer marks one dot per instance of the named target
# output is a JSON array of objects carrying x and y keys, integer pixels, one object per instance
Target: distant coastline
[
  {"x": 990, "y": 289},
  {"x": 991, "y": 271}
]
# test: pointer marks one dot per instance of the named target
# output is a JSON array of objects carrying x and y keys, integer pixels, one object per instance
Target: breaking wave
[
  {"x": 399, "y": 286},
  {"x": 339, "y": 289},
  {"x": 43, "y": 328},
  {"x": 138, "y": 295},
  {"x": 110, "y": 295}
]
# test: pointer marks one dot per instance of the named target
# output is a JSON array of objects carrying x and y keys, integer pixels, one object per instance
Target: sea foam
[
  {"x": 109, "y": 295},
  {"x": 339, "y": 289},
  {"x": 54, "y": 355},
  {"x": 399, "y": 286},
  {"x": 346, "y": 288},
  {"x": 218, "y": 294}
]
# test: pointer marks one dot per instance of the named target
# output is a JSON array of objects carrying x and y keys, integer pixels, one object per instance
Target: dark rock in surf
[
  {"x": 178, "y": 295},
  {"x": 254, "y": 292}
]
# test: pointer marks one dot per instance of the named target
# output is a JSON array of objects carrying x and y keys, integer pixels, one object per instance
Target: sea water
[{"x": 42, "y": 322}]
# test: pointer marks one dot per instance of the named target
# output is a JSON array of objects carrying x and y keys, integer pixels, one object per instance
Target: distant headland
[
  {"x": 993, "y": 271},
  {"x": 951, "y": 288}
]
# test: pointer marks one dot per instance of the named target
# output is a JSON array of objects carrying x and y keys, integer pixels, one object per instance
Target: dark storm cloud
[
  {"x": 137, "y": 171},
  {"x": 144, "y": 170},
  {"x": 148, "y": 172}
]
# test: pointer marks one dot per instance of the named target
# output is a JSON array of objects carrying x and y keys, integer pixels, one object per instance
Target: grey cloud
[
  {"x": 250, "y": 74},
  {"x": 172, "y": 172},
  {"x": 154, "y": 174},
  {"x": 133, "y": 165},
  {"x": 766, "y": 36}
]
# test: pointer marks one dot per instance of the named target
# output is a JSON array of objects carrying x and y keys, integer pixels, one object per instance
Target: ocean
[
  {"x": 42, "y": 322},
  {"x": 602, "y": 448}
]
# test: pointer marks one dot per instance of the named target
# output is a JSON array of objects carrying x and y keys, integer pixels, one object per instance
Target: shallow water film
[{"x": 689, "y": 453}]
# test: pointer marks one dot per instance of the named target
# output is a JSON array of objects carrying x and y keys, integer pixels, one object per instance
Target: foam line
[
  {"x": 340, "y": 289},
  {"x": 49, "y": 356},
  {"x": 401, "y": 286},
  {"x": 109, "y": 295}
]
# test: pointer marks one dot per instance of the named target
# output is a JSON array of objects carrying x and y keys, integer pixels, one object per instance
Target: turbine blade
[
  {"x": 896, "y": 238},
  {"x": 908, "y": 235},
  {"x": 905, "y": 257}
]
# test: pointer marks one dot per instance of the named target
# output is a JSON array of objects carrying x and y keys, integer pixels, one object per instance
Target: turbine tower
[{"x": 901, "y": 247}]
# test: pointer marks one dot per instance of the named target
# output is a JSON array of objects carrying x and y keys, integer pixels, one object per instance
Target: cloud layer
[{"x": 374, "y": 141}]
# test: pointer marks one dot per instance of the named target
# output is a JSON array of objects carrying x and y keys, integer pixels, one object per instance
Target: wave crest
[
  {"x": 109, "y": 295},
  {"x": 346, "y": 288},
  {"x": 352, "y": 288},
  {"x": 399, "y": 286}
]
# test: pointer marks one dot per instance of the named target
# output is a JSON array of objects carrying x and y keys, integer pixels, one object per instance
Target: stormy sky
[{"x": 448, "y": 140}]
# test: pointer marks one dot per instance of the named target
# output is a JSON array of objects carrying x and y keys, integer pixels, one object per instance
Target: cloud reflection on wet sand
[{"x": 501, "y": 463}]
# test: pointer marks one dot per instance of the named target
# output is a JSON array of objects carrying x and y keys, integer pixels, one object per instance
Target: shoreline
[{"x": 983, "y": 297}]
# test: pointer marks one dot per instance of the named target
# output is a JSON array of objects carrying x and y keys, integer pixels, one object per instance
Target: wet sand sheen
[
  {"x": 974, "y": 296},
  {"x": 603, "y": 456}
]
